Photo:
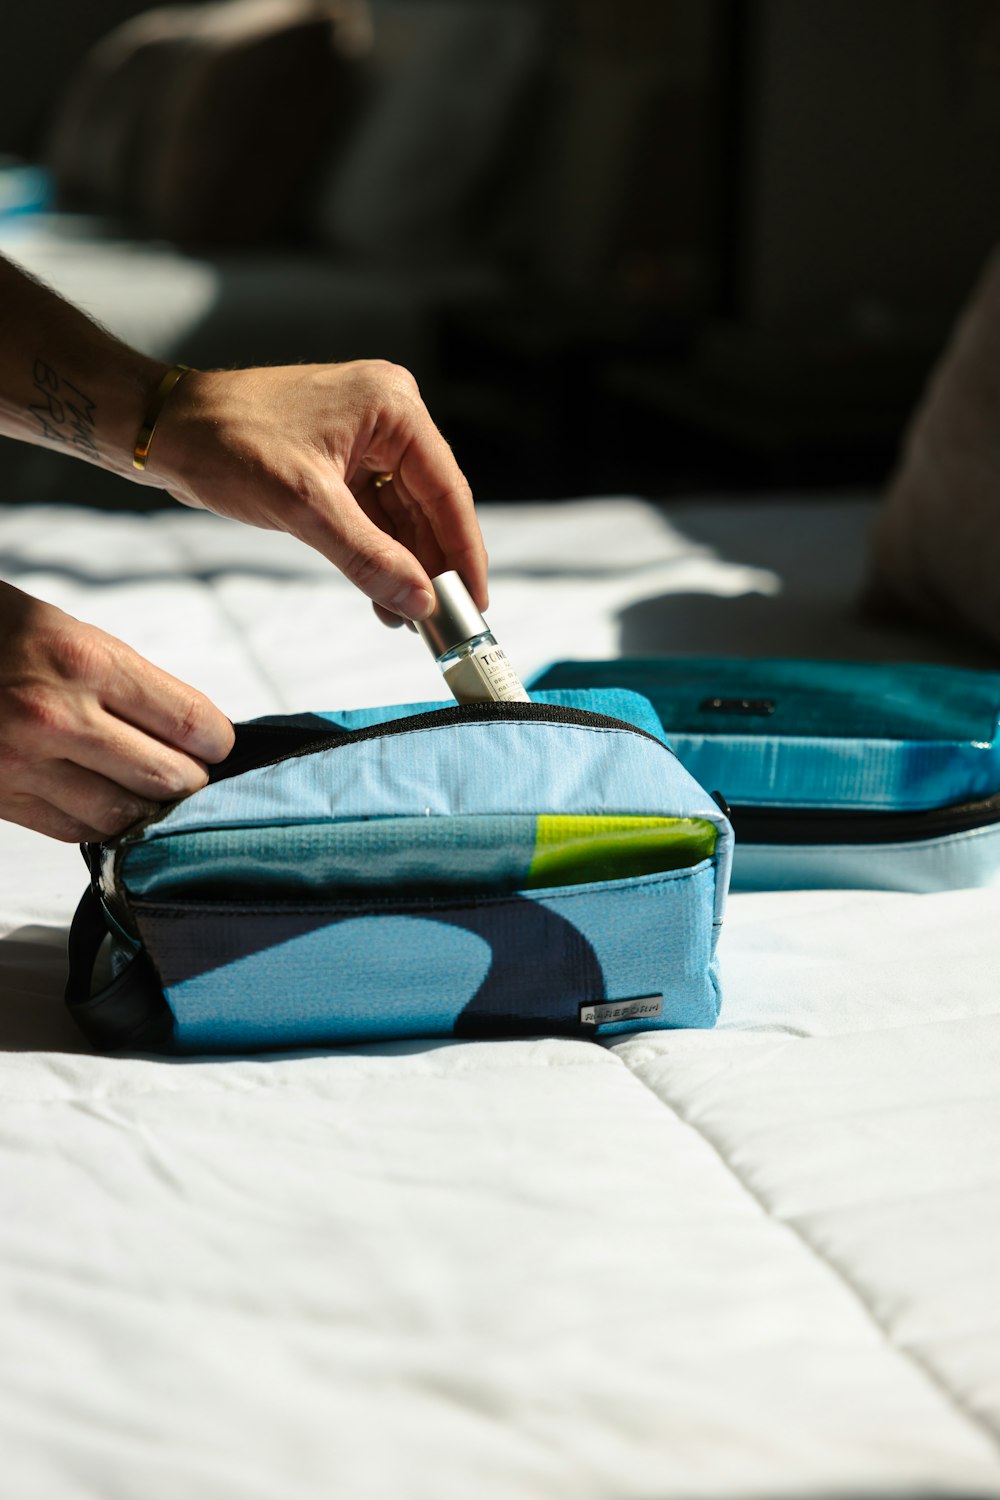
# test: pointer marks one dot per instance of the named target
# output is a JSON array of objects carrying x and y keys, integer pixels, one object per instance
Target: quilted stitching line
[{"x": 979, "y": 1422}]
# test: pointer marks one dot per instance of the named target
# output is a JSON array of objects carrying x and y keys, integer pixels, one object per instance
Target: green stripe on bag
[{"x": 570, "y": 850}]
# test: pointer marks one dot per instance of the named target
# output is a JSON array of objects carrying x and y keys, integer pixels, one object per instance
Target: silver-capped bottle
[{"x": 475, "y": 668}]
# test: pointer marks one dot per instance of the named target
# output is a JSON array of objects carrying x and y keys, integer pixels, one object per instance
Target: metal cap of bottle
[{"x": 454, "y": 618}]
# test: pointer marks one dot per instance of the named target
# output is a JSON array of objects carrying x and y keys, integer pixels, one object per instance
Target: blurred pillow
[
  {"x": 417, "y": 176},
  {"x": 936, "y": 551},
  {"x": 98, "y": 139},
  {"x": 204, "y": 122}
]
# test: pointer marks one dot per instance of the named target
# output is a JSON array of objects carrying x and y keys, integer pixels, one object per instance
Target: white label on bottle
[{"x": 485, "y": 675}]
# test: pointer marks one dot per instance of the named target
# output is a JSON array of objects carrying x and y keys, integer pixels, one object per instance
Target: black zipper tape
[
  {"x": 806, "y": 825},
  {"x": 268, "y": 744}
]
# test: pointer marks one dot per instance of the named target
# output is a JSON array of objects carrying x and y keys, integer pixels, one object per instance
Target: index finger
[
  {"x": 433, "y": 478},
  {"x": 151, "y": 699}
]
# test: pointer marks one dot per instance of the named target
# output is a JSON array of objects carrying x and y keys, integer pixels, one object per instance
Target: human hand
[
  {"x": 91, "y": 735},
  {"x": 299, "y": 449}
]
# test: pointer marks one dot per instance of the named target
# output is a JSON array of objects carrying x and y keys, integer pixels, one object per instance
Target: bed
[{"x": 761, "y": 1261}]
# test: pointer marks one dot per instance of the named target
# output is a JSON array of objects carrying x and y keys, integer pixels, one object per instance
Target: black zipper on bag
[
  {"x": 269, "y": 744},
  {"x": 805, "y": 825},
  {"x": 259, "y": 745}
]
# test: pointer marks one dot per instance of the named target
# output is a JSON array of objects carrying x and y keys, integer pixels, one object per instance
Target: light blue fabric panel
[
  {"x": 391, "y": 976},
  {"x": 954, "y": 862},
  {"x": 657, "y": 939},
  {"x": 369, "y": 978},
  {"x": 375, "y": 853},
  {"x": 862, "y": 775},
  {"x": 507, "y": 767}
]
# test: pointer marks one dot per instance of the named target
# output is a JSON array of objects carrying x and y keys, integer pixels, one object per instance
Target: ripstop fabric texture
[{"x": 477, "y": 934}]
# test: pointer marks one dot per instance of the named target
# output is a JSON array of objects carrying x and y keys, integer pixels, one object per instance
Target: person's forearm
[
  {"x": 344, "y": 456},
  {"x": 65, "y": 382}
]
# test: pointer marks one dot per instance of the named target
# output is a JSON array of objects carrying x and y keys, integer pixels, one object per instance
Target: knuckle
[
  {"x": 187, "y": 719},
  {"x": 167, "y": 783},
  {"x": 80, "y": 653},
  {"x": 38, "y": 711},
  {"x": 401, "y": 376},
  {"x": 365, "y": 567},
  {"x": 119, "y": 814},
  {"x": 383, "y": 375}
]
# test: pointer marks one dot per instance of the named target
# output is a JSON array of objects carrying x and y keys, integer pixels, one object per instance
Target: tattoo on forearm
[{"x": 63, "y": 413}]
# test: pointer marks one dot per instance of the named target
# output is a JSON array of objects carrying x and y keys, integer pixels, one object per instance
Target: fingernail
[{"x": 415, "y": 604}]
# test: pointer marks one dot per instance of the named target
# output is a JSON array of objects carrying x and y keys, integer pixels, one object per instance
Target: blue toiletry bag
[
  {"x": 425, "y": 870},
  {"x": 847, "y": 774}
]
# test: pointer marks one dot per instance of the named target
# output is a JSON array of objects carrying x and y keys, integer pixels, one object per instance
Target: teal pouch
[{"x": 880, "y": 775}]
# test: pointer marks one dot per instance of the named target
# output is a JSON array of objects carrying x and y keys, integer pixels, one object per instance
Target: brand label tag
[
  {"x": 635, "y": 1008},
  {"x": 751, "y": 706}
]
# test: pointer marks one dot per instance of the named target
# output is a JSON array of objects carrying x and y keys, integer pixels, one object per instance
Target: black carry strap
[{"x": 130, "y": 1011}]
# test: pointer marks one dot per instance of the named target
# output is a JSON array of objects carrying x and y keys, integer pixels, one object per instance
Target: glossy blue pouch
[
  {"x": 878, "y": 775},
  {"x": 424, "y": 870}
]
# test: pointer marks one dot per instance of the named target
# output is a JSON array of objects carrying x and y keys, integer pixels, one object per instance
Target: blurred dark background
[{"x": 641, "y": 245}]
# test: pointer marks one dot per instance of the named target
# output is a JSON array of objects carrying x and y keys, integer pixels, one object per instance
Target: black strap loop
[{"x": 130, "y": 1011}]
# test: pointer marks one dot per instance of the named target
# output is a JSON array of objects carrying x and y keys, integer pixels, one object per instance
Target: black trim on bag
[
  {"x": 257, "y": 742},
  {"x": 260, "y": 744},
  {"x": 805, "y": 825},
  {"x": 263, "y": 744}
]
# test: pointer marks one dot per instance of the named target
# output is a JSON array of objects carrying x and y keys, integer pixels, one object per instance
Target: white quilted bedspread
[{"x": 757, "y": 1262}]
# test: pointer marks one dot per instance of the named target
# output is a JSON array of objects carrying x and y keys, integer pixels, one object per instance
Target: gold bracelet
[{"x": 140, "y": 453}]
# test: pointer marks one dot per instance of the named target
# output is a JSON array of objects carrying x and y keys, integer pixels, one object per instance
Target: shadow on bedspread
[
  {"x": 757, "y": 625},
  {"x": 813, "y": 559},
  {"x": 33, "y": 1017}
]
